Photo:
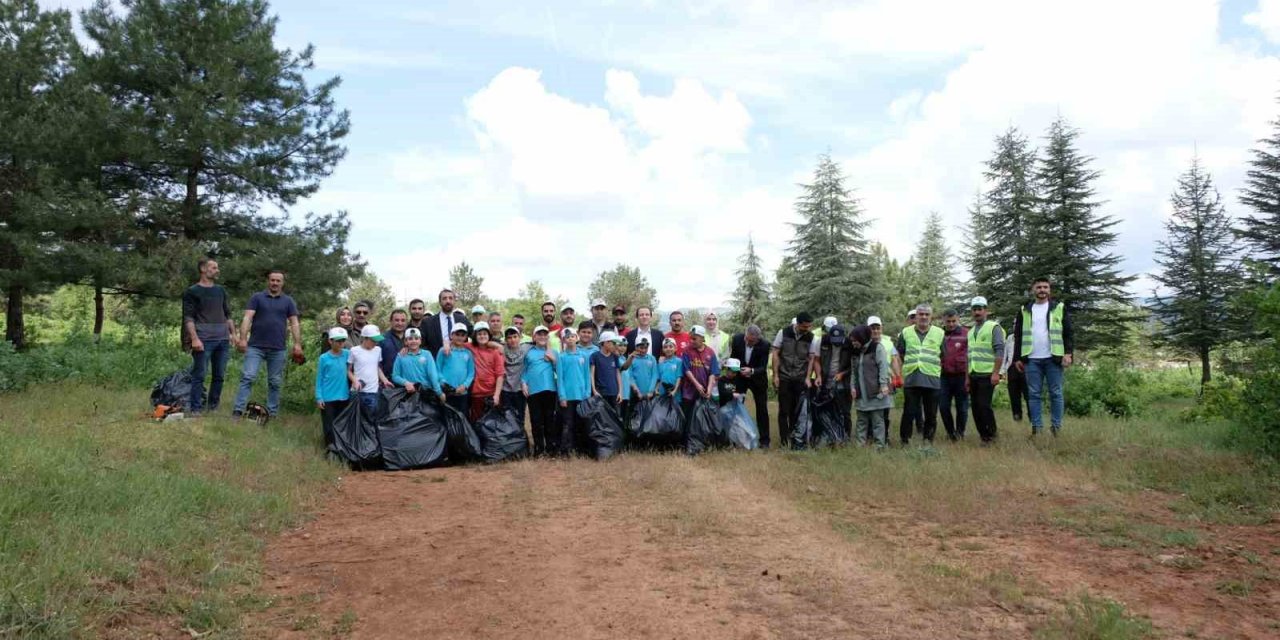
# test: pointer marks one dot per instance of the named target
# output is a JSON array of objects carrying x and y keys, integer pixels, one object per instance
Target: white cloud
[{"x": 1266, "y": 18}]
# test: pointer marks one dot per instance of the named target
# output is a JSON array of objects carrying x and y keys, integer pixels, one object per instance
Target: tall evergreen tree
[
  {"x": 1199, "y": 270},
  {"x": 932, "y": 271},
  {"x": 1068, "y": 241},
  {"x": 997, "y": 251},
  {"x": 752, "y": 293},
  {"x": 1262, "y": 194},
  {"x": 468, "y": 287},
  {"x": 829, "y": 252},
  {"x": 623, "y": 285}
]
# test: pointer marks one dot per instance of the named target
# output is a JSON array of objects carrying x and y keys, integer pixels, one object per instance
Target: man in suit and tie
[
  {"x": 752, "y": 351},
  {"x": 437, "y": 328}
]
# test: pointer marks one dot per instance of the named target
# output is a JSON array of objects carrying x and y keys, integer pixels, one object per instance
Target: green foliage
[
  {"x": 1262, "y": 194},
  {"x": 366, "y": 287},
  {"x": 1093, "y": 618},
  {"x": 752, "y": 293},
  {"x": 1198, "y": 270},
  {"x": 931, "y": 273},
  {"x": 998, "y": 247},
  {"x": 468, "y": 287},
  {"x": 116, "y": 363},
  {"x": 528, "y": 303},
  {"x": 623, "y": 285},
  {"x": 1068, "y": 241},
  {"x": 1105, "y": 388}
]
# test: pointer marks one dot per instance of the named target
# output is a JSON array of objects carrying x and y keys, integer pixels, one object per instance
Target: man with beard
[
  {"x": 439, "y": 327},
  {"x": 678, "y": 333},
  {"x": 417, "y": 312}
]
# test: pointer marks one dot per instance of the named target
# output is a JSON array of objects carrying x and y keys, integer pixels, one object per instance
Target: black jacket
[
  {"x": 432, "y": 340},
  {"x": 1068, "y": 333},
  {"x": 759, "y": 362},
  {"x": 655, "y": 337}
]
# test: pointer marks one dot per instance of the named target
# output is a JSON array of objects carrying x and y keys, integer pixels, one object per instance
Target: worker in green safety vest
[
  {"x": 921, "y": 346},
  {"x": 1043, "y": 344},
  {"x": 986, "y": 348}
]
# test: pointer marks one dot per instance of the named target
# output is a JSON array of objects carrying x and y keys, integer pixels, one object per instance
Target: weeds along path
[{"x": 640, "y": 547}]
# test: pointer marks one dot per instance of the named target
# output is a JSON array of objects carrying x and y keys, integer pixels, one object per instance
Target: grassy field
[
  {"x": 109, "y": 521},
  {"x": 111, "y": 525}
]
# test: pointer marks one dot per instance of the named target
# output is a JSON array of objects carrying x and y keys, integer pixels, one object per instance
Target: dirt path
[{"x": 642, "y": 547}]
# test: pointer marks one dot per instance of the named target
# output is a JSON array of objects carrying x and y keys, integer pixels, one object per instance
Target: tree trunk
[
  {"x": 97, "y": 313},
  {"x": 15, "y": 329},
  {"x": 1204, "y": 368}
]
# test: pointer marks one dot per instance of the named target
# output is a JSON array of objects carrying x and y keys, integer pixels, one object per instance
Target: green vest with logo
[
  {"x": 982, "y": 350},
  {"x": 922, "y": 355},
  {"x": 1056, "y": 346}
]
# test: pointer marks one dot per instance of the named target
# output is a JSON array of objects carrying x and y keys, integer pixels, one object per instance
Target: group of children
[{"x": 473, "y": 373}]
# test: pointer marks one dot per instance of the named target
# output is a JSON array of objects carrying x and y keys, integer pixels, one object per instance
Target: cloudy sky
[{"x": 553, "y": 140}]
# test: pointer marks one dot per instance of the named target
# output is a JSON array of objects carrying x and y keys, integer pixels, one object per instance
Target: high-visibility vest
[
  {"x": 922, "y": 355},
  {"x": 982, "y": 350},
  {"x": 1056, "y": 346}
]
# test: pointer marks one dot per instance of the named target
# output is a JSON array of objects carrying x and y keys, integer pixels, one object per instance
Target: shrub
[{"x": 1104, "y": 387}]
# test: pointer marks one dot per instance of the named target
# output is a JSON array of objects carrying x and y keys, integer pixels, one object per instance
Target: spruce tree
[
  {"x": 752, "y": 293},
  {"x": 932, "y": 271},
  {"x": 468, "y": 287},
  {"x": 1068, "y": 241},
  {"x": 1199, "y": 271},
  {"x": 997, "y": 251},
  {"x": 828, "y": 252},
  {"x": 1262, "y": 194}
]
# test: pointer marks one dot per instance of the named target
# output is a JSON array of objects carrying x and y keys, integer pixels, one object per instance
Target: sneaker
[
  {"x": 237, "y": 416},
  {"x": 1017, "y": 417},
  {"x": 1055, "y": 430}
]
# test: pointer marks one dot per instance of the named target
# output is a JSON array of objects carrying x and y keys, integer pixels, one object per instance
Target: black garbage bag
[
  {"x": 802, "y": 432},
  {"x": 463, "y": 443},
  {"x": 659, "y": 421},
  {"x": 741, "y": 427},
  {"x": 604, "y": 426},
  {"x": 502, "y": 435},
  {"x": 355, "y": 437},
  {"x": 174, "y": 390},
  {"x": 828, "y": 420},
  {"x": 411, "y": 433},
  {"x": 705, "y": 429}
]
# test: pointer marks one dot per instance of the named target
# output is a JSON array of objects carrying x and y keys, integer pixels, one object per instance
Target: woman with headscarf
[
  {"x": 344, "y": 319},
  {"x": 871, "y": 376}
]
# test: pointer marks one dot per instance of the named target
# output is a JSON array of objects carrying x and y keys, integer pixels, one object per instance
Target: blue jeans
[
  {"x": 370, "y": 402},
  {"x": 253, "y": 359},
  {"x": 217, "y": 352},
  {"x": 1042, "y": 372}
]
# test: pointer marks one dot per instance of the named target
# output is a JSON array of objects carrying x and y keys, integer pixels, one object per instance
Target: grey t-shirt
[
  {"x": 208, "y": 308},
  {"x": 513, "y": 359}
]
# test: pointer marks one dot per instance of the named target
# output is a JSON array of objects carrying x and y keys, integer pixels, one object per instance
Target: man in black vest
[
  {"x": 790, "y": 371},
  {"x": 750, "y": 349},
  {"x": 437, "y": 328}
]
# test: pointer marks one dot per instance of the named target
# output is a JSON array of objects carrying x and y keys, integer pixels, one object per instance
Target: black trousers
[
  {"x": 789, "y": 394},
  {"x": 1018, "y": 395},
  {"x": 574, "y": 436},
  {"x": 758, "y": 385},
  {"x": 514, "y": 400},
  {"x": 953, "y": 396},
  {"x": 919, "y": 408},
  {"x": 981, "y": 391},
  {"x": 461, "y": 402},
  {"x": 330, "y": 412},
  {"x": 542, "y": 419}
]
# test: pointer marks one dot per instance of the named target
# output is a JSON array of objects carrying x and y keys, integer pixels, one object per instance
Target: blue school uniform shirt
[
  {"x": 626, "y": 377},
  {"x": 332, "y": 384},
  {"x": 458, "y": 369},
  {"x": 606, "y": 372},
  {"x": 644, "y": 373},
  {"x": 670, "y": 370},
  {"x": 572, "y": 376},
  {"x": 539, "y": 374},
  {"x": 588, "y": 351},
  {"x": 418, "y": 368}
]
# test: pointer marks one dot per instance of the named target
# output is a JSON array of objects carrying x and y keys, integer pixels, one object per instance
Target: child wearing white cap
[
  {"x": 366, "y": 365},
  {"x": 334, "y": 381}
]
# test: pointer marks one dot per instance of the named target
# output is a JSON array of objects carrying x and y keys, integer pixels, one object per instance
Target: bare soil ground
[{"x": 662, "y": 546}]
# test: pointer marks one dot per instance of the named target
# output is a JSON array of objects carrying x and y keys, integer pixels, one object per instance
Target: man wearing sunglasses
[{"x": 361, "y": 314}]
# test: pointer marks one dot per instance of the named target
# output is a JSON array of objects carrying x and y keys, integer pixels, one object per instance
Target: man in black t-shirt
[{"x": 207, "y": 325}]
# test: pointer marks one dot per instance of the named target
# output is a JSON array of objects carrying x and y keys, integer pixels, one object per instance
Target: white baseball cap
[
  {"x": 978, "y": 301},
  {"x": 371, "y": 331},
  {"x": 873, "y": 321},
  {"x": 412, "y": 332},
  {"x": 338, "y": 333},
  {"x": 460, "y": 328},
  {"x": 568, "y": 331},
  {"x": 608, "y": 336},
  {"x": 732, "y": 364},
  {"x": 643, "y": 340},
  {"x": 829, "y": 321},
  {"x": 911, "y": 313},
  {"x": 698, "y": 330},
  {"x": 540, "y": 329},
  {"x": 598, "y": 303},
  {"x": 480, "y": 325},
  {"x": 477, "y": 309}
]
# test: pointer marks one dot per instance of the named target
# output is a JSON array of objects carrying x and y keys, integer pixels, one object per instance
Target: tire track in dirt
[{"x": 641, "y": 547}]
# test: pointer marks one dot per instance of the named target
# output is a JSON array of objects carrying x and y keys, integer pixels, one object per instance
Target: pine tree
[
  {"x": 828, "y": 252},
  {"x": 623, "y": 285},
  {"x": 932, "y": 272},
  {"x": 468, "y": 287},
  {"x": 997, "y": 252},
  {"x": 1068, "y": 239},
  {"x": 1198, "y": 269},
  {"x": 752, "y": 294},
  {"x": 1262, "y": 194}
]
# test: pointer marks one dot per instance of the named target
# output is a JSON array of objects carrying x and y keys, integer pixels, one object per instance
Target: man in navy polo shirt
[{"x": 262, "y": 338}]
